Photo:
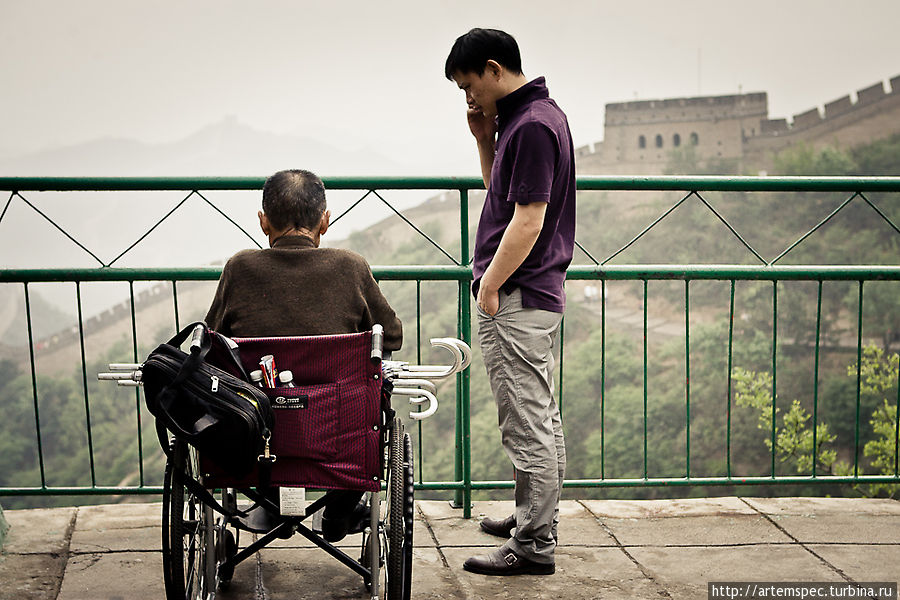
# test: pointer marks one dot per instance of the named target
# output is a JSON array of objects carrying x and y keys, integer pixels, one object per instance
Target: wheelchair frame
[{"x": 200, "y": 540}]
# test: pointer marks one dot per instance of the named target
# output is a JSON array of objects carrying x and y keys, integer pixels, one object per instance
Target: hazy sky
[{"x": 370, "y": 74}]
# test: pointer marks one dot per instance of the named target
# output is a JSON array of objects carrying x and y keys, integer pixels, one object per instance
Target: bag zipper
[{"x": 254, "y": 416}]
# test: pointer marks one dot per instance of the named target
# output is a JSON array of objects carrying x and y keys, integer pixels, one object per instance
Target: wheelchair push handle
[
  {"x": 377, "y": 343},
  {"x": 462, "y": 358},
  {"x": 417, "y": 381},
  {"x": 418, "y": 396},
  {"x": 197, "y": 337},
  {"x": 124, "y": 374}
]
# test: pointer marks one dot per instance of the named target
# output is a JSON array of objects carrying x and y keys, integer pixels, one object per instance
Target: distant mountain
[
  {"x": 46, "y": 319},
  {"x": 224, "y": 148},
  {"x": 109, "y": 223}
]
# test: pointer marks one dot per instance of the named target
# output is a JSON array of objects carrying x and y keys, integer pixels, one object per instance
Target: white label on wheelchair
[{"x": 293, "y": 501}]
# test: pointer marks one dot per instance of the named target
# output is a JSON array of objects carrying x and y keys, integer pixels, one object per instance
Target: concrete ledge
[
  {"x": 39, "y": 531},
  {"x": 686, "y": 507},
  {"x": 30, "y": 576},
  {"x": 696, "y": 531},
  {"x": 685, "y": 572},
  {"x": 117, "y": 527},
  {"x": 113, "y": 575},
  {"x": 819, "y": 506},
  {"x": 644, "y": 549},
  {"x": 35, "y": 553},
  {"x": 4, "y": 527},
  {"x": 862, "y": 562}
]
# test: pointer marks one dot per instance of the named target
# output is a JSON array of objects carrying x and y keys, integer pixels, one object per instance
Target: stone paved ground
[{"x": 608, "y": 549}]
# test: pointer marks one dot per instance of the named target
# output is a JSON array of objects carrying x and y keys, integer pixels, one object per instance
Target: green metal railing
[{"x": 459, "y": 272}]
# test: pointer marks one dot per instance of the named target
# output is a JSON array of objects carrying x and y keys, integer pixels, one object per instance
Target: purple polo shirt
[{"x": 534, "y": 161}]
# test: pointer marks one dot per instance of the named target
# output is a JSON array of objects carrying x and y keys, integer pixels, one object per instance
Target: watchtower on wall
[{"x": 640, "y": 135}]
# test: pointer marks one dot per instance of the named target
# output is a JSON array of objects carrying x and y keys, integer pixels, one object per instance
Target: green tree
[
  {"x": 687, "y": 161},
  {"x": 804, "y": 159},
  {"x": 878, "y": 377},
  {"x": 794, "y": 443},
  {"x": 881, "y": 157}
]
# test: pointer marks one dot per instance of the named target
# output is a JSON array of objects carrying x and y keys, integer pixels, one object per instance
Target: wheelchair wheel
[
  {"x": 226, "y": 547},
  {"x": 188, "y": 540},
  {"x": 399, "y": 518},
  {"x": 408, "y": 514}
]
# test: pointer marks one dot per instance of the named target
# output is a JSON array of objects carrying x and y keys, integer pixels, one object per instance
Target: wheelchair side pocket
[{"x": 306, "y": 421}]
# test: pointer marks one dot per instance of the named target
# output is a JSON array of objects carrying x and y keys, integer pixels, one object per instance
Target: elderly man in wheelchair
[{"x": 314, "y": 326}]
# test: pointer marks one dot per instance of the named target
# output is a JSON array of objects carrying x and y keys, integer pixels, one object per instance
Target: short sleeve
[{"x": 535, "y": 151}]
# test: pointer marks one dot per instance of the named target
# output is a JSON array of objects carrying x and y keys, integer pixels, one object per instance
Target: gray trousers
[{"x": 518, "y": 345}]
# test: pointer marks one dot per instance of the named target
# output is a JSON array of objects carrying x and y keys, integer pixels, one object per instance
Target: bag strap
[
  {"x": 200, "y": 345},
  {"x": 190, "y": 483},
  {"x": 233, "y": 353},
  {"x": 202, "y": 342}
]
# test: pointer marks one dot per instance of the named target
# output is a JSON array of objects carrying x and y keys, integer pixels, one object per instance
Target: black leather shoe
[
  {"x": 507, "y": 562},
  {"x": 261, "y": 520},
  {"x": 501, "y": 528},
  {"x": 334, "y": 529}
]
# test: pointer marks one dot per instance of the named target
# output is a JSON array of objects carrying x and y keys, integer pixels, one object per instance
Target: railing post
[
  {"x": 463, "y": 497},
  {"x": 137, "y": 391},
  {"x": 34, "y": 388},
  {"x": 84, "y": 380}
]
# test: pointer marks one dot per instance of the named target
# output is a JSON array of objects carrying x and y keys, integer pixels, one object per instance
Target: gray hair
[{"x": 294, "y": 198}]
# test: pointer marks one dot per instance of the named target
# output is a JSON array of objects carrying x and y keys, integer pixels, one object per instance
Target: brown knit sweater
[{"x": 295, "y": 288}]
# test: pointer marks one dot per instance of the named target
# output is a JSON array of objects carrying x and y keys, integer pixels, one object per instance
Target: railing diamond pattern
[{"x": 459, "y": 272}]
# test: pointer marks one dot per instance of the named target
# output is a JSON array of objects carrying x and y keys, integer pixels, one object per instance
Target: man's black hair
[
  {"x": 472, "y": 50},
  {"x": 294, "y": 198}
]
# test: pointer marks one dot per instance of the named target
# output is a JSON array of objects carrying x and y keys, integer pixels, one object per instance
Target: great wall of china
[{"x": 639, "y": 136}]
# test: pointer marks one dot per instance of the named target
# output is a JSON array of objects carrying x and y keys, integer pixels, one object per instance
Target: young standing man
[{"x": 523, "y": 245}]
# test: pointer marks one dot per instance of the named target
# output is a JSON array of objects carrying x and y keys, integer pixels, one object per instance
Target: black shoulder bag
[{"x": 225, "y": 417}]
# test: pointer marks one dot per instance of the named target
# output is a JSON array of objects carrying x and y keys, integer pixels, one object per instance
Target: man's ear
[
  {"x": 323, "y": 224},
  {"x": 493, "y": 68},
  {"x": 264, "y": 222}
]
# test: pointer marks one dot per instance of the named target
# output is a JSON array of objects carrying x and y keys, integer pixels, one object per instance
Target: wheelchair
[{"x": 334, "y": 429}]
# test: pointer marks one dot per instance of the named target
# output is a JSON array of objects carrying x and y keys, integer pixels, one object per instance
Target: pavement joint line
[
  {"x": 699, "y": 545},
  {"x": 458, "y": 546},
  {"x": 433, "y": 537},
  {"x": 70, "y": 531},
  {"x": 660, "y": 590},
  {"x": 260, "y": 586},
  {"x": 115, "y": 551},
  {"x": 799, "y": 543},
  {"x": 456, "y": 580}
]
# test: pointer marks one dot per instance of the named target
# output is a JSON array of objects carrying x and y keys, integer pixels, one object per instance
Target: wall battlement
[
  {"x": 844, "y": 105},
  {"x": 694, "y": 102}
]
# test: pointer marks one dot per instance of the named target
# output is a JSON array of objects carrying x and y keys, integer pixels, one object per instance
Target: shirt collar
[
  {"x": 293, "y": 241},
  {"x": 531, "y": 91}
]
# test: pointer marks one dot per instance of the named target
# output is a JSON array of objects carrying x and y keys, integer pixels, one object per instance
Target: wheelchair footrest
[{"x": 260, "y": 520}]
